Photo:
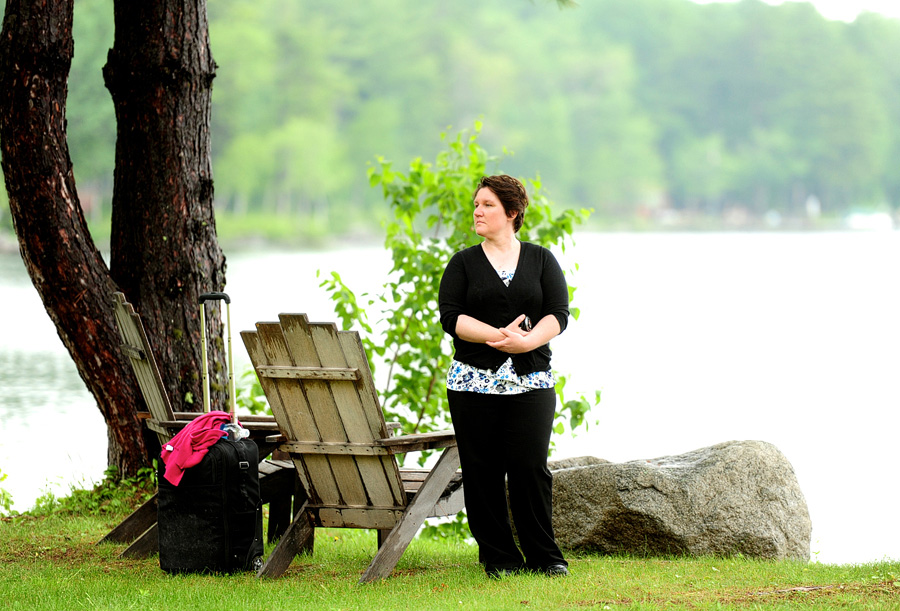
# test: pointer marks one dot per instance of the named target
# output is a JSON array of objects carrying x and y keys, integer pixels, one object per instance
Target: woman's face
[{"x": 490, "y": 215}]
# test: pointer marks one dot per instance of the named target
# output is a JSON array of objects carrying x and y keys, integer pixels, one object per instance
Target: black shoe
[{"x": 556, "y": 570}]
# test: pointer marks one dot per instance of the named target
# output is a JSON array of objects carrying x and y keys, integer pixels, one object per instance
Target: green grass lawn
[{"x": 52, "y": 562}]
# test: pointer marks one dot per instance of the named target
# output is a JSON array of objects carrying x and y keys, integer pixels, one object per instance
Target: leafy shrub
[
  {"x": 249, "y": 395},
  {"x": 114, "y": 495}
]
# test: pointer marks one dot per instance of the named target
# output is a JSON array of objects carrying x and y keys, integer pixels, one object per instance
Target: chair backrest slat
[
  {"x": 377, "y": 472},
  {"x": 291, "y": 409},
  {"x": 271, "y": 349},
  {"x": 137, "y": 347},
  {"x": 300, "y": 344},
  {"x": 363, "y": 480},
  {"x": 359, "y": 489},
  {"x": 368, "y": 396}
]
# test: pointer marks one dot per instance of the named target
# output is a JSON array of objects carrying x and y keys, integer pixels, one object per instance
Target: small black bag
[{"x": 212, "y": 521}]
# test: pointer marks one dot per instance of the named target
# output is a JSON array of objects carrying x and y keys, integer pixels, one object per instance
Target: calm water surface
[{"x": 694, "y": 339}]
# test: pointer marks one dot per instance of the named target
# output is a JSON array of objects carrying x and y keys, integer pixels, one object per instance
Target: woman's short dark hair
[{"x": 511, "y": 193}]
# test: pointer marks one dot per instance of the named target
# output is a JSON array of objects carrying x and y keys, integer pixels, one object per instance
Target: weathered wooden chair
[
  {"x": 276, "y": 477},
  {"x": 319, "y": 386},
  {"x": 160, "y": 417}
]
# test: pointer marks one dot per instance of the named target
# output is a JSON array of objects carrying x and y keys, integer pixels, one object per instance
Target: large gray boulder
[{"x": 739, "y": 497}]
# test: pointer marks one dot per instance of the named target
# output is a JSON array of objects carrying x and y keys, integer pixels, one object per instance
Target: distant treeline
[{"x": 626, "y": 106}]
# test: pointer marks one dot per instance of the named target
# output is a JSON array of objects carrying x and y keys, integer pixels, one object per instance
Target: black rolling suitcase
[{"x": 212, "y": 520}]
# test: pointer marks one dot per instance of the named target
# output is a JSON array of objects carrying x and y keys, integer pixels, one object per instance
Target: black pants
[{"x": 503, "y": 440}]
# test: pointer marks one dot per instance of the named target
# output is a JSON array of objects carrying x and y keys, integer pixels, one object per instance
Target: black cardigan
[{"x": 471, "y": 286}]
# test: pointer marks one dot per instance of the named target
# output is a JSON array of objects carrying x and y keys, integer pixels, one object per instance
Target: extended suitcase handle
[{"x": 204, "y": 297}]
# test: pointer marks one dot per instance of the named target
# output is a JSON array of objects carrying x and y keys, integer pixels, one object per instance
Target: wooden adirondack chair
[
  {"x": 276, "y": 477},
  {"x": 319, "y": 386},
  {"x": 161, "y": 418}
]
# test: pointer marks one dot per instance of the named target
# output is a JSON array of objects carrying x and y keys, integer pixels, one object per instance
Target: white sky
[{"x": 846, "y": 10}]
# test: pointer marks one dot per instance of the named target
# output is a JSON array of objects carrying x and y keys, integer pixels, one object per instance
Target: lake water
[{"x": 694, "y": 339}]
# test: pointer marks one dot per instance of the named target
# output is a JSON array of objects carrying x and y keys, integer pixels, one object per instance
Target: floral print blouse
[{"x": 504, "y": 381}]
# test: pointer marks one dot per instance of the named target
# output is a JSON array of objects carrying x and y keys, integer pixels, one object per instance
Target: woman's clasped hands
[{"x": 514, "y": 338}]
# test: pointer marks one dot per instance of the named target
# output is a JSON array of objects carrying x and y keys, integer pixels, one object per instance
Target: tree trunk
[
  {"x": 164, "y": 250},
  {"x": 164, "y": 246},
  {"x": 59, "y": 254}
]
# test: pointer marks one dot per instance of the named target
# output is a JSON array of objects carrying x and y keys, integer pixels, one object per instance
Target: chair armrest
[
  {"x": 419, "y": 441},
  {"x": 244, "y": 418},
  {"x": 169, "y": 424},
  {"x": 187, "y": 415},
  {"x": 389, "y": 445},
  {"x": 255, "y": 418}
]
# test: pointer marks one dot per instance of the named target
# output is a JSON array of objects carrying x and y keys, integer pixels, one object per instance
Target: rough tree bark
[
  {"x": 164, "y": 247},
  {"x": 164, "y": 250}
]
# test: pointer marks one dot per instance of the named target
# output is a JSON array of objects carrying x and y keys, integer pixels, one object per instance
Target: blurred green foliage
[
  {"x": 6, "y": 500},
  {"x": 629, "y": 106}
]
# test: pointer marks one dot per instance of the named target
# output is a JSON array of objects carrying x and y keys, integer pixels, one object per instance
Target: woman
[{"x": 500, "y": 387}]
